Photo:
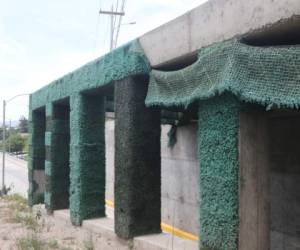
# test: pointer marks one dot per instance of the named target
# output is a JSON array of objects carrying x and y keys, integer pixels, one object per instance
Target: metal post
[
  {"x": 112, "y": 13},
  {"x": 112, "y": 29},
  {"x": 9, "y": 137},
  {"x": 3, "y": 149}
]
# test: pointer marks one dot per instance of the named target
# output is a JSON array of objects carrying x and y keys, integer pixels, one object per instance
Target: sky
[{"x": 41, "y": 41}]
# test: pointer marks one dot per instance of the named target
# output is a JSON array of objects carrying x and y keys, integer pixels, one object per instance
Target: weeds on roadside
[
  {"x": 19, "y": 212},
  {"x": 53, "y": 244},
  {"x": 31, "y": 242},
  {"x": 88, "y": 244}
]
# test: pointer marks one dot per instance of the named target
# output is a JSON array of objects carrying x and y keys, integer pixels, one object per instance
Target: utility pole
[
  {"x": 113, "y": 14},
  {"x": 3, "y": 149},
  {"x": 9, "y": 137}
]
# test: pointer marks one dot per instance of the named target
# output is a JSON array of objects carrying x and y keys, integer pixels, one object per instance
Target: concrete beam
[{"x": 214, "y": 21}]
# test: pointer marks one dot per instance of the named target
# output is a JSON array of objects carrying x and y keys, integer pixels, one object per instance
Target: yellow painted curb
[
  {"x": 167, "y": 228},
  {"x": 109, "y": 203}
]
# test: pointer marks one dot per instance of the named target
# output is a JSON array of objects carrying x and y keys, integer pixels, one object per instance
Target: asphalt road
[{"x": 16, "y": 174}]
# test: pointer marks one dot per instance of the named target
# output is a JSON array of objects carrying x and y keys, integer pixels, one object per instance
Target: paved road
[{"x": 16, "y": 174}]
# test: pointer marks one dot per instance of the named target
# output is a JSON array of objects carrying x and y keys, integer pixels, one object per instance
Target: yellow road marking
[{"x": 167, "y": 228}]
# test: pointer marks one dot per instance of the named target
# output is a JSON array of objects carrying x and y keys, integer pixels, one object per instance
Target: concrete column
[
  {"x": 36, "y": 163},
  {"x": 137, "y": 160},
  {"x": 219, "y": 171},
  {"x": 254, "y": 202},
  {"x": 57, "y": 168},
  {"x": 87, "y": 158}
]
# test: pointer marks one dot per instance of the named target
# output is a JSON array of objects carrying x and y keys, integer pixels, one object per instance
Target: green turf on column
[
  {"x": 219, "y": 170},
  {"x": 87, "y": 158},
  {"x": 36, "y": 161},
  {"x": 137, "y": 160},
  {"x": 57, "y": 157}
]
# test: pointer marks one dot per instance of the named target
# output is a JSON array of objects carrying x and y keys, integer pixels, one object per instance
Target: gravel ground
[{"x": 25, "y": 229}]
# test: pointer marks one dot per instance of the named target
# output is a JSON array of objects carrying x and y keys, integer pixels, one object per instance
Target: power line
[{"x": 116, "y": 17}]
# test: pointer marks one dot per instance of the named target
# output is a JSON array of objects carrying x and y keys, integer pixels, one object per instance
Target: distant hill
[{"x": 14, "y": 124}]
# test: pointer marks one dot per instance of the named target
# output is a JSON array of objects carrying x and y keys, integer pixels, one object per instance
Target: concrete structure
[
  {"x": 179, "y": 175},
  {"x": 246, "y": 196},
  {"x": 220, "y": 20}
]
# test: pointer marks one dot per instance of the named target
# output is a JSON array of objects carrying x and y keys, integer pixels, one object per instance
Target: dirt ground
[{"x": 24, "y": 229}]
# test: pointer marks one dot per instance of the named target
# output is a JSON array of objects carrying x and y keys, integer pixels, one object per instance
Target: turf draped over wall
[
  {"x": 124, "y": 61},
  {"x": 219, "y": 171},
  {"x": 269, "y": 76}
]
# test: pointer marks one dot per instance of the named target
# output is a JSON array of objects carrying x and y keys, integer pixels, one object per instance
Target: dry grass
[{"x": 31, "y": 242}]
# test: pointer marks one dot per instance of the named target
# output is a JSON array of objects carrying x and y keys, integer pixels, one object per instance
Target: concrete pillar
[
  {"x": 87, "y": 158},
  {"x": 36, "y": 163},
  {"x": 137, "y": 160},
  {"x": 219, "y": 171},
  {"x": 57, "y": 167},
  {"x": 254, "y": 202}
]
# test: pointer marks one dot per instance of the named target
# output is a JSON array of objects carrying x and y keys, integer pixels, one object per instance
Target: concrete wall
[
  {"x": 39, "y": 177},
  {"x": 285, "y": 183},
  {"x": 110, "y": 158},
  {"x": 211, "y": 22},
  {"x": 180, "y": 185},
  {"x": 180, "y": 171}
]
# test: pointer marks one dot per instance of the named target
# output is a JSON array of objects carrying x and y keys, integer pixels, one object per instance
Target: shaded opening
[
  {"x": 269, "y": 180},
  {"x": 179, "y": 63},
  {"x": 283, "y": 33},
  {"x": 284, "y": 137},
  {"x": 180, "y": 170},
  {"x": 60, "y": 154},
  {"x": 38, "y": 155},
  {"x": 93, "y": 151}
]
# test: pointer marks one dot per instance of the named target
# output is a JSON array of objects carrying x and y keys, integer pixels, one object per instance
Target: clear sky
[{"x": 43, "y": 40}]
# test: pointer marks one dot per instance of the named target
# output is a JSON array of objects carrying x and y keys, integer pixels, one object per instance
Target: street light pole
[
  {"x": 9, "y": 137},
  {"x": 3, "y": 191},
  {"x": 3, "y": 148}
]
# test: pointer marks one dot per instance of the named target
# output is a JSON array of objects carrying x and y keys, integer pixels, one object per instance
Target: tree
[
  {"x": 17, "y": 142},
  {"x": 1, "y": 133},
  {"x": 23, "y": 124}
]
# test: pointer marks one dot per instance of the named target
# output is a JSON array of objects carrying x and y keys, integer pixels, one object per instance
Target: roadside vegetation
[
  {"x": 16, "y": 138},
  {"x": 16, "y": 212}
]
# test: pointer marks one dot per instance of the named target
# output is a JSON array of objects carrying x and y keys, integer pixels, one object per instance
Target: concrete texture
[
  {"x": 110, "y": 158},
  {"x": 179, "y": 176},
  {"x": 163, "y": 242},
  {"x": 105, "y": 228},
  {"x": 214, "y": 21},
  {"x": 285, "y": 183},
  {"x": 180, "y": 182},
  {"x": 254, "y": 228},
  {"x": 39, "y": 177}
]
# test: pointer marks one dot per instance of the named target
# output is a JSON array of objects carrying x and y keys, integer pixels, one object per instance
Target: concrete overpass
[{"x": 68, "y": 140}]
